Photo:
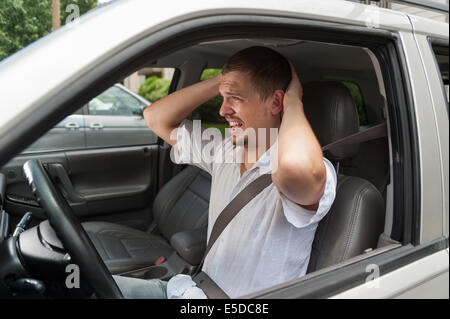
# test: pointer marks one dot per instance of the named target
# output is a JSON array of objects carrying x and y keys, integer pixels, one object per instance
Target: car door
[
  {"x": 114, "y": 118},
  {"x": 67, "y": 134},
  {"x": 104, "y": 163}
]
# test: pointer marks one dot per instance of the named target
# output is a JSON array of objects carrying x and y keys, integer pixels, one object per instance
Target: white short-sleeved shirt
[{"x": 269, "y": 241}]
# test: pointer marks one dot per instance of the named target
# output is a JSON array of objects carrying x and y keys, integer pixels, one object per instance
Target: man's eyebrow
[{"x": 233, "y": 93}]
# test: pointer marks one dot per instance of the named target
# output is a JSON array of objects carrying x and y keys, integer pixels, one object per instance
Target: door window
[
  {"x": 116, "y": 101},
  {"x": 111, "y": 119}
]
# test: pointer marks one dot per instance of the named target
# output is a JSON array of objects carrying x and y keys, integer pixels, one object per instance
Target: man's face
[{"x": 242, "y": 107}]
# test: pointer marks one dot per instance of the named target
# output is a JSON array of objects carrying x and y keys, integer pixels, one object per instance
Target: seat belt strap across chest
[{"x": 228, "y": 213}]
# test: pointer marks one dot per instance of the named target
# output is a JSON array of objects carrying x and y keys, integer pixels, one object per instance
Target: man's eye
[{"x": 236, "y": 98}]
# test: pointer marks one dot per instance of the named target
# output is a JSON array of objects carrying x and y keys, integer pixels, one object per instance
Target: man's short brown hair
[{"x": 268, "y": 69}]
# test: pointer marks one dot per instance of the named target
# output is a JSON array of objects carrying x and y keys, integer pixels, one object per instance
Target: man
[{"x": 269, "y": 241}]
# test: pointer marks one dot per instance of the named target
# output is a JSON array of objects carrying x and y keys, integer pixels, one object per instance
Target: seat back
[
  {"x": 183, "y": 202},
  {"x": 356, "y": 218},
  {"x": 352, "y": 225}
]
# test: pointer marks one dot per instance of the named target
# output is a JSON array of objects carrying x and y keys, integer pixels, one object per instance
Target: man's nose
[{"x": 225, "y": 109}]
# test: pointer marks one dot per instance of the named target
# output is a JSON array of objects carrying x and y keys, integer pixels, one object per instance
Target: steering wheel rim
[{"x": 70, "y": 232}]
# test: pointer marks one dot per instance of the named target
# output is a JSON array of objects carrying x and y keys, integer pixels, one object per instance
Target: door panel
[
  {"x": 19, "y": 198},
  {"x": 113, "y": 130},
  {"x": 103, "y": 184},
  {"x": 67, "y": 134},
  {"x": 112, "y": 180}
]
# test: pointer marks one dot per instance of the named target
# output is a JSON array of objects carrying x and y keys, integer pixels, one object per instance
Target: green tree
[
  {"x": 24, "y": 21},
  {"x": 357, "y": 98},
  {"x": 209, "y": 111},
  {"x": 154, "y": 88}
]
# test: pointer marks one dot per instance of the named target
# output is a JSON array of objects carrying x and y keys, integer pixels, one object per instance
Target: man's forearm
[{"x": 166, "y": 114}]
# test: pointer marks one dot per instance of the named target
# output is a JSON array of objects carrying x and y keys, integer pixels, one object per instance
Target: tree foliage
[
  {"x": 154, "y": 88},
  {"x": 209, "y": 111},
  {"x": 24, "y": 21}
]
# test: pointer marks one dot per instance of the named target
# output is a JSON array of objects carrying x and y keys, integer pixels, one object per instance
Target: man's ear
[{"x": 277, "y": 102}]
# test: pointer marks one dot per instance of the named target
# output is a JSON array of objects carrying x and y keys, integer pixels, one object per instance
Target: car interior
[{"x": 148, "y": 217}]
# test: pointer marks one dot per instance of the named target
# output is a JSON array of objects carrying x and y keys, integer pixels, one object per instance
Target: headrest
[{"x": 332, "y": 113}]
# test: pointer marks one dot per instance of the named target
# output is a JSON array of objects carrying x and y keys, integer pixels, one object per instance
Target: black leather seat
[
  {"x": 356, "y": 218},
  {"x": 182, "y": 204}
]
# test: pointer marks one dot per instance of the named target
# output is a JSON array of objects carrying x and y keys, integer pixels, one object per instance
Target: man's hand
[
  {"x": 294, "y": 92},
  {"x": 301, "y": 173}
]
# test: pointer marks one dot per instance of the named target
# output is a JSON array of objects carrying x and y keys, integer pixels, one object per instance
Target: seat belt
[
  {"x": 203, "y": 281},
  {"x": 377, "y": 131},
  {"x": 209, "y": 287}
]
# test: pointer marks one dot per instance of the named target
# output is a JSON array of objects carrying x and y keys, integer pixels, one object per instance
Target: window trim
[
  {"x": 196, "y": 30},
  {"x": 353, "y": 274}
]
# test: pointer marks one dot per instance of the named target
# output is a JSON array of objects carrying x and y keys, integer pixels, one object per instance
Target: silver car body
[{"x": 39, "y": 68}]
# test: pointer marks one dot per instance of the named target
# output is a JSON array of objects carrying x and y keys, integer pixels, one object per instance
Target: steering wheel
[{"x": 70, "y": 232}]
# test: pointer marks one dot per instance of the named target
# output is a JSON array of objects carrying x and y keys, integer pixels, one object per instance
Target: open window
[
  {"x": 361, "y": 68},
  {"x": 370, "y": 66}
]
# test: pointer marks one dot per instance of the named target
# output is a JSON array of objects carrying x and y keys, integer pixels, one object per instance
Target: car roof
[{"x": 52, "y": 63}]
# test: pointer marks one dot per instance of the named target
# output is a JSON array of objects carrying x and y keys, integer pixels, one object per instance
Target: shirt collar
[{"x": 265, "y": 163}]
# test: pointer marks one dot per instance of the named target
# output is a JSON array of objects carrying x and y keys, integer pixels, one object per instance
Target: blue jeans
[{"x": 133, "y": 288}]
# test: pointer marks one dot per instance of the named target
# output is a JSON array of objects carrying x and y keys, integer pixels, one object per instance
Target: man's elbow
[
  {"x": 302, "y": 182},
  {"x": 150, "y": 117}
]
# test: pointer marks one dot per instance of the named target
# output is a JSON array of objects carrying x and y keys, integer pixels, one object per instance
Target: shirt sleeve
[
  {"x": 195, "y": 146},
  {"x": 301, "y": 217},
  {"x": 183, "y": 287}
]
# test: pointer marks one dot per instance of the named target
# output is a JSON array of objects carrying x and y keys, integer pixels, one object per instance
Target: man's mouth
[
  {"x": 235, "y": 127},
  {"x": 235, "y": 124}
]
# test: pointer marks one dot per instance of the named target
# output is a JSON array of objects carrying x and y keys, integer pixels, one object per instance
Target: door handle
[
  {"x": 96, "y": 126},
  {"x": 72, "y": 126},
  {"x": 58, "y": 170}
]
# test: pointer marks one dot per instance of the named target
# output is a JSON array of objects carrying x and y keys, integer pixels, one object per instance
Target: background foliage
[
  {"x": 24, "y": 21},
  {"x": 209, "y": 111},
  {"x": 154, "y": 88}
]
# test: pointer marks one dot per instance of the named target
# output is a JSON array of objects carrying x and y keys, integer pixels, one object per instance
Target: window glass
[
  {"x": 111, "y": 119},
  {"x": 116, "y": 101}
]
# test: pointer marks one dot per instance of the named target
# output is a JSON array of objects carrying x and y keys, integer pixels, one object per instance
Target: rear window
[
  {"x": 355, "y": 92},
  {"x": 441, "y": 55}
]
